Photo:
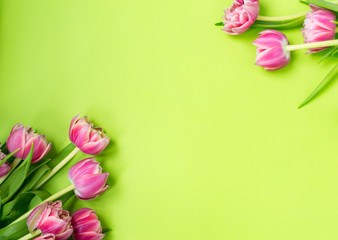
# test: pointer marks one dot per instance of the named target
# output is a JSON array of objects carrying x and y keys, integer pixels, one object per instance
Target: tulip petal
[
  {"x": 16, "y": 140},
  {"x": 94, "y": 148},
  {"x": 90, "y": 186}
]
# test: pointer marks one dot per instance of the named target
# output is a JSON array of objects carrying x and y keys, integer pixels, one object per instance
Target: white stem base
[
  {"x": 30, "y": 235},
  {"x": 312, "y": 45},
  {"x": 57, "y": 167},
  {"x": 281, "y": 18}
]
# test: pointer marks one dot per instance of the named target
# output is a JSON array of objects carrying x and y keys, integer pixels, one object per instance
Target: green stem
[
  {"x": 51, "y": 198},
  {"x": 281, "y": 18},
  {"x": 57, "y": 167},
  {"x": 312, "y": 45},
  {"x": 31, "y": 235},
  {"x": 14, "y": 164}
]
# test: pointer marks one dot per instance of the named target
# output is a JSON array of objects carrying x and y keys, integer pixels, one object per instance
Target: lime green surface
[{"x": 208, "y": 146}]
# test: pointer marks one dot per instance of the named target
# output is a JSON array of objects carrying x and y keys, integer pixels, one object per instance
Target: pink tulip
[
  {"x": 88, "y": 179},
  {"x": 86, "y": 225},
  {"x": 319, "y": 26},
  {"x": 49, "y": 217},
  {"x": 240, "y": 16},
  {"x": 47, "y": 236},
  {"x": 89, "y": 139},
  {"x": 271, "y": 52},
  {"x": 4, "y": 169},
  {"x": 2, "y": 155},
  {"x": 22, "y": 138}
]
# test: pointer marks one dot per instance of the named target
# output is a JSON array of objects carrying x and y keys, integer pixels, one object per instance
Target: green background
[{"x": 207, "y": 145}]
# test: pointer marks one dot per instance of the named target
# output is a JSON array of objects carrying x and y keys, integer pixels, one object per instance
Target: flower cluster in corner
[
  {"x": 273, "y": 51},
  {"x": 23, "y": 171}
]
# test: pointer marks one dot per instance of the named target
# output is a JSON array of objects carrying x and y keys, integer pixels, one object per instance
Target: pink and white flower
[
  {"x": 271, "y": 50},
  {"x": 50, "y": 218},
  {"x": 4, "y": 169},
  {"x": 89, "y": 139},
  {"x": 319, "y": 26},
  {"x": 88, "y": 179},
  {"x": 86, "y": 225},
  {"x": 240, "y": 16},
  {"x": 22, "y": 138}
]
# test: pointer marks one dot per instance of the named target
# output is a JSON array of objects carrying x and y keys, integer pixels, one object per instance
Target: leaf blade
[
  {"x": 16, "y": 179},
  {"x": 329, "y": 77}
]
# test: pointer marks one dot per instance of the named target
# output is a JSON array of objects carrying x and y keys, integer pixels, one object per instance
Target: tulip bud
[
  {"x": 240, "y": 16},
  {"x": 319, "y": 26},
  {"x": 88, "y": 179},
  {"x": 89, "y": 139},
  {"x": 47, "y": 236},
  {"x": 86, "y": 225},
  {"x": 271, "y": 52},
  {"x": 22, "y": 138},
  {"x": 49, "y": 217},
  {"x": 4, "y": 169},
  {"x": 2, "y": 155}
]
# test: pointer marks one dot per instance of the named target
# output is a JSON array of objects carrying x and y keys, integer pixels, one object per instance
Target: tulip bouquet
[
  {"x": 273, "y": 50},
  {"x": 28, "y": 211}
]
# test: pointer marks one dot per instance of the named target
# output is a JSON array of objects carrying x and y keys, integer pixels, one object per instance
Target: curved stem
[
  {"x": 281, "y": 18},
  {"x": 31, "y": 235},
  {"x": 51, "y": 198},
  {"x": 312, "y": 45},
  {"x": 57, "y": 167},
  {"x": 14, "y": 164}
]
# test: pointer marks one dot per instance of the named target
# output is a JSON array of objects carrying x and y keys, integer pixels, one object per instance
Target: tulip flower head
[
  {"x": 319, "y": 26},
  {"x": 86, "y": 225},
  {"x": 48, "y": 236},
  {"x": 22, "y": 138},
  {"x": 270, "y": 49},
  {"x": 50, "y": 218},
  {"x": 89, "y": 139},
  {"x": 4, "y": 169},
  {"x": 240, "y": 16},
  {"x": 88, "y": 179},
  {"x": 2, "y": 155}
]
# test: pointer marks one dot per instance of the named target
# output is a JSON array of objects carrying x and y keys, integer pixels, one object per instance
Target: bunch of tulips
[
  {"x": 29, "y": 212},
  {"x": 273, "y": 50}
]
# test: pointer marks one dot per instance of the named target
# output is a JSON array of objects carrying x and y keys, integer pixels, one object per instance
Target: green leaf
[
  {"x": 7, "y": 157},
  {"x": 106, "y": 230},
  {"x": 332, "y": 74},
  {"x": 34, "y": 178},
  {"x": 324, "y": 4},
  {"x": 279, "y": 24},
  {"x": 3, "y": 147},
  {"x": 304, "y": 2},
  {"x": 20, "y": 205},
  {"x": 64, "y": 153},
  {"x": 16, "y": 179},
  {"x": 219, "y": 24},
  {"x": 68, "y": 199},
  {"x": 14, "y": 231},
  {"x": 330, "y": 52}
]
